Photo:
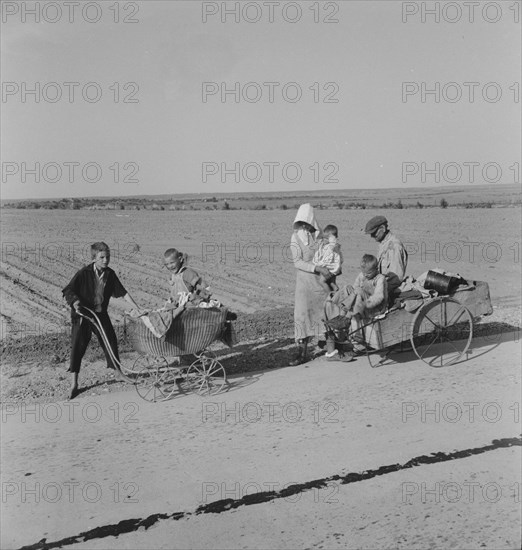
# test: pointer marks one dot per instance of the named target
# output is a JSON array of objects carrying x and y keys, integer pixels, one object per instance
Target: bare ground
[
  {"x": 344, "y": 467},
  {"x": 34, "y": 367}
]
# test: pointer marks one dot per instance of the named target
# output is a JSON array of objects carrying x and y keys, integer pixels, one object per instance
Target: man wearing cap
[{"x": 392, "y": 255}]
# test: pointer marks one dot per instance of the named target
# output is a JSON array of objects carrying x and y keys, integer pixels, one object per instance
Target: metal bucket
[{"x": 443, "y": 284}]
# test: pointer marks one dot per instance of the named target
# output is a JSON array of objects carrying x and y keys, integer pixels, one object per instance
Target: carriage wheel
[
  {"x": 157, "y": 380},
  {"x": 142, "y": 362},
  {"x": 442, "y": 332},
  {"x": 206, "y": 375}
]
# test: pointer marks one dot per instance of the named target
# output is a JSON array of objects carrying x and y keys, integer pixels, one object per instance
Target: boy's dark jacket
[{"x": 83, "y": 284}]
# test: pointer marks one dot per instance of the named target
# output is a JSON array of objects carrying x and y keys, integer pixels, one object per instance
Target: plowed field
[{"x": 242, "y": 254}]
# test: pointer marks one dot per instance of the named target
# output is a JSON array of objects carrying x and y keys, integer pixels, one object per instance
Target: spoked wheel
[
  {"x": 143, "y": 362},
  {"x": 157, "y": 380},
  {"x": 206, "y": 375},
  {"x": 442, "y": 332}
]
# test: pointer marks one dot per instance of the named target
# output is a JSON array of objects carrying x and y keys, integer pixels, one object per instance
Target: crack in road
[{"x": 219, "y": 506}]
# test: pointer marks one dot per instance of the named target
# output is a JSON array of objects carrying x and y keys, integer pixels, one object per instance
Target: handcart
[
  {"x": 439, "y": 331},
  {"x": 157, "y": 373}
]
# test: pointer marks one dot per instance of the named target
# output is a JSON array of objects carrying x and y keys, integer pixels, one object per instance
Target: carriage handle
[{"x": 97, "y": 323}]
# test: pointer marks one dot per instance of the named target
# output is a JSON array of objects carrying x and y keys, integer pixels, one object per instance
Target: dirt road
[{"x": 325, "y": 450}]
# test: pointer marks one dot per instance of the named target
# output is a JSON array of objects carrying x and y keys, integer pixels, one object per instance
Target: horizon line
[{"x": 267, "y": 193}]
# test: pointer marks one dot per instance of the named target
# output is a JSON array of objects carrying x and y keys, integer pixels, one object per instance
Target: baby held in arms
[{"x": 329, "y": 255}]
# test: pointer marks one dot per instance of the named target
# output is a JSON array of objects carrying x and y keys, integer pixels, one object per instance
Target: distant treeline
[{"x": 212, "y": 203}]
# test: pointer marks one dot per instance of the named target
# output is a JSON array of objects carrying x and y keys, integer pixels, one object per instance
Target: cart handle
[{"x": 369, "y": 323}]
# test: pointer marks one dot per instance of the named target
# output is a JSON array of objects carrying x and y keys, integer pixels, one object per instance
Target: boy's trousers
[{"x": 81, "y": 336}]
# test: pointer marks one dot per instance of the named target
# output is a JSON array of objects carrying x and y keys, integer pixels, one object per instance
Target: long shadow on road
[{"x": 224, "y": 505}]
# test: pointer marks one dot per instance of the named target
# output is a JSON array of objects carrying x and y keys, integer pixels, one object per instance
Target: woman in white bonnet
[{"x": 310, "y": 290}]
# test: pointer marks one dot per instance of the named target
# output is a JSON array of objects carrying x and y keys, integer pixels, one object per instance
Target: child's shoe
[
  {"x": 332, "y": 355},
  {"x": 330, "y": 345}
]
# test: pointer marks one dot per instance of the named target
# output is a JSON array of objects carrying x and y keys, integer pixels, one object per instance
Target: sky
[{"x": 148, "y": 117}]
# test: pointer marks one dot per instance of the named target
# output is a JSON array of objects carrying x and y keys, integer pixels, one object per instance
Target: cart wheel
[
  {"x": 442, "y": 332},
  {"x": 206, "y": 375},
  {"x": 157, "y": 380}
]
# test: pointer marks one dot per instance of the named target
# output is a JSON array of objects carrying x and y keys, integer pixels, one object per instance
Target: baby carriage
[{"x": 157, "y": 373}]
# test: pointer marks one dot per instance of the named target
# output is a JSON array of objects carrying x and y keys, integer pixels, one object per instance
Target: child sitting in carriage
[
  {"x": 186, "y": 286},
  {"x": 187, "y": 289},
  {"x": 368, "y": 297}
]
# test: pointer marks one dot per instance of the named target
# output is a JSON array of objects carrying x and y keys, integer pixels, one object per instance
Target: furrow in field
[
  {"x": 244, "y": 287},
  {"x": 243, "y": 255},
  {"x": 45, "y": 281},
  {"x": 36, "y": 290},
  {"x": 26, "y": 315}
]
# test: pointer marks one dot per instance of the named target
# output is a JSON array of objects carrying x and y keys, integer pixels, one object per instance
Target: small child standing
[{"x": 329, "y": 255}]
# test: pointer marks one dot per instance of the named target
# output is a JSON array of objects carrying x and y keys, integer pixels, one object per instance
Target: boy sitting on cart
[{"x": 358, "y": 304}]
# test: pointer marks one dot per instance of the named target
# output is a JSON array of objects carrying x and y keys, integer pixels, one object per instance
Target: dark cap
[{"x": 374, "y": 223}]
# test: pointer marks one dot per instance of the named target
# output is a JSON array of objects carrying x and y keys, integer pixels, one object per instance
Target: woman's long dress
[{"x": 310, "y": 290}]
